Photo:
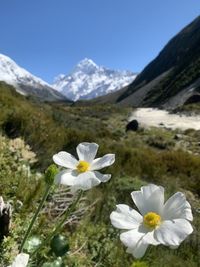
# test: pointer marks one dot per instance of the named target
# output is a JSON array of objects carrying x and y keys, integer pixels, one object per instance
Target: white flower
[
  {"x": 159, "y": 223},
  {"x": 20, "y": 261},
  {"x": 83, "y": 173}
]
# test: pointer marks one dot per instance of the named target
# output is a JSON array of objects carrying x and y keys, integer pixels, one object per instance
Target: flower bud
[{"x": 50, "y": 174}]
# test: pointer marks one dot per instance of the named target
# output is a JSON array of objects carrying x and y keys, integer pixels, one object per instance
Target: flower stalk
[
  {"x": 70, "y": 209},
  {"x": 46, "y": 193},
  {"x": 49, "y": 175}
]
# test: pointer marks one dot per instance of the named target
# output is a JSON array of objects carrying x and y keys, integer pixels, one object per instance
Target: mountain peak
[
  {"x": 88, "y": 80},
  {"x": 24, "y": 82},
  {"x": 86, "y": 65},
  {"x": 87, "y": 61}
]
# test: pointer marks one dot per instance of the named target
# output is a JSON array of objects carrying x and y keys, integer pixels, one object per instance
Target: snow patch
[{"x": 13, "y": 74}]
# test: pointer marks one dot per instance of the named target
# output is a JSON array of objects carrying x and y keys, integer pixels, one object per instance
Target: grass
[{"x": 142, "y": 157}]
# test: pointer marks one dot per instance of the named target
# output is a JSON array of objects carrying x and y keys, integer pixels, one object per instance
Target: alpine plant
[
  {"x": 83, "y": 173},
  {"x": 155, "y": 223}
]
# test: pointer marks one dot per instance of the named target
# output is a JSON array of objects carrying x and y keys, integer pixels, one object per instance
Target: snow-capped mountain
[
  {"x": 88, "y": 80},
  {"x": 24, "y": 82}
]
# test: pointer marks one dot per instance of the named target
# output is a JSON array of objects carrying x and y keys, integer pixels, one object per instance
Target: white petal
[
  {"x": 85, "y": 181},
  {"x": 150, "y": 239},
  {"x": 177, "y": 207},
  {"x": 150, "y": 198},
  {"x": 149, "y": 189},
  {"x": 102, "y": 177},
  {"x": 21, "y": 260},
  {"x": 148, "y": 236},
  {"x": 65, "y": 159},
  {"x": 125, "y": 217},
  {"x": 133, "y": 239},
  {"x": 66, "y": 177},
  {"x": 87, "y": 151},
  {"x": 139, "y": 250},
  {"x": 103, "y": 162},
  {"x": 172, "y": 233}
]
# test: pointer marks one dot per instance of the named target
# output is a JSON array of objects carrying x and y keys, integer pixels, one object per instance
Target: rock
[
  {"x": 132, "y": 126},
  {"x": 5, "y": 218},
  {"x": 178, "y": 136}
]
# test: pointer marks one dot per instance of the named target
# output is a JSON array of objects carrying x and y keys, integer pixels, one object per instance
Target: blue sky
[{"x": 48, "y": 37}]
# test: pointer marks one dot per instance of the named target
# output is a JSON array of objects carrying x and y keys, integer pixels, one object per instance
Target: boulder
[
  {"x": 5, "y": 218},
  {"x": 132, "y": 126}
]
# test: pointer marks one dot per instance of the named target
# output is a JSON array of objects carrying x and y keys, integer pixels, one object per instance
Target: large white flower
[
  {"x": 20, "y": 261},
  {"x": 159, "y": 223},
  {"x": 83, "y": 173}
]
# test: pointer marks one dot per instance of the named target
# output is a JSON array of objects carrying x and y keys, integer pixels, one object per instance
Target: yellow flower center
[
  {"x": 151, "y": 220},
  {"x": 83, "y": 166}
]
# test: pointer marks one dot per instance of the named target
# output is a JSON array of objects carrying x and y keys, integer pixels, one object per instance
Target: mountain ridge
[
  {"x": 178, "y": 63},
  {"x": 24, "y": 82},
  {"x": 88, "y": 80},
  {"x": 171, "y": 79}
]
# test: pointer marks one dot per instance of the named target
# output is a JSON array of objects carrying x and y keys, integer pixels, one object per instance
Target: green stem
[
  {"x": 35, "y": 217},
  {"x": 70, "y": 209}
]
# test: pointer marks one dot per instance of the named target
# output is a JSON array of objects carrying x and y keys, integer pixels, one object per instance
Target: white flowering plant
[
  {"x": 156, "y": 222},
  {"x": 80, "y": 175},
  {"x": 83, "y": 173}
]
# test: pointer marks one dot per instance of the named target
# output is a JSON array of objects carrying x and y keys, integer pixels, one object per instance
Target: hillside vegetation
[{"x": 160, "y": 156}]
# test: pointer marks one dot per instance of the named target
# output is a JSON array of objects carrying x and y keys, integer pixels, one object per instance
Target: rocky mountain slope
[
  {"x": 171, "y": 79},
  {"x": 24, "y": 82},
  {"x": 88, "y": 80}
]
